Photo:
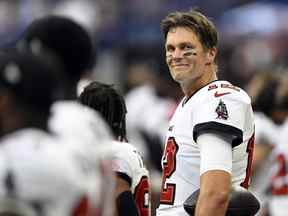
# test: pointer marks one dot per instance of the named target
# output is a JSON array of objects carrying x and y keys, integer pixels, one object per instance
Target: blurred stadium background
[
  {"x": 253, "y": 39},
  {"x": 252, "y": 33}
]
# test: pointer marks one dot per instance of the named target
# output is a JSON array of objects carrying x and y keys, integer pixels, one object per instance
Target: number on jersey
[
  {"x": 249, "y": 150},
  {"x": 142, "y": 196},
  {"x": 82, "y": 207},
  {"x": 279, "y": 182},
  {"x": 169, "y": 166}
]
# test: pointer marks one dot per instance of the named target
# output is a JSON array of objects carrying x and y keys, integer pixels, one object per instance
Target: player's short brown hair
[{"x": 197, "y": 22}]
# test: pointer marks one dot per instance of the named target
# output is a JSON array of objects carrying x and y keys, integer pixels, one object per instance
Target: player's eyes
[
  {"x": 170, "y": 49},
  {"x": 186, "y": 47}
]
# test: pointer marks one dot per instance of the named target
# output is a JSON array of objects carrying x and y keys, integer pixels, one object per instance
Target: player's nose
[{"x": 177, "y": 53}]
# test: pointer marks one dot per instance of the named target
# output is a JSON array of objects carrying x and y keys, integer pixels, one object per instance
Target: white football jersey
[
  {"x": 139, "y": 116},
  {"x": 128, "y": 161},
  {"x": 218, "y": 107},
  {"x": 71, "y": 119},
  {"x": 266, "y": 133},
  {"x": 265, "y": 130},
  {"x": 40, "y": 177},
  {"x": 279, "y": 175},
  {"x": 88, "y": 136}
]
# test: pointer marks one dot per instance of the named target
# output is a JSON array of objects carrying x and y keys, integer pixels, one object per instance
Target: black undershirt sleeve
[
  {"x": 126, "y": 205},
  {"x": 230, "y": 133}
]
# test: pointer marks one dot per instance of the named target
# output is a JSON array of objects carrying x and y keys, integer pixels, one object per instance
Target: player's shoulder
[
  {"x": 124, "y": 149},
  {"x": 24, "y": 140},
  {"x": 63, "y": 109},
  {"x": 70, "y": 117},
  {"x": 124, "y": 146},
  {"x": 223, "y": 89},
  {"x": 66, "y": 113},
  {"x": 127, "y": 152}
]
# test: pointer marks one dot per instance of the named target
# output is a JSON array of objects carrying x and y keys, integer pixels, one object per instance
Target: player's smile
[{"x": 180, "y": 66}]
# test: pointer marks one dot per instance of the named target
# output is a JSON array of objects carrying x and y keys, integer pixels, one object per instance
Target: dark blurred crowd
[{"x": 252, "y": 32}]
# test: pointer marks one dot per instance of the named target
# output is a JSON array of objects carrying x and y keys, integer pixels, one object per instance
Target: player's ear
[{"x": 211, "y": 55}]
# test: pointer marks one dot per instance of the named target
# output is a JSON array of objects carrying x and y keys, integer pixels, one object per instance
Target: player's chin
[{"x": 179, "y": 76}]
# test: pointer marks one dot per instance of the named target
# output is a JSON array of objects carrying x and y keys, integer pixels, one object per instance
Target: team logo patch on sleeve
[{"x": 221, "y": 111}]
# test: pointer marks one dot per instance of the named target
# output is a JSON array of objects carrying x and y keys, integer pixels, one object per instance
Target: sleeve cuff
[{"x": 233, "y": 134}]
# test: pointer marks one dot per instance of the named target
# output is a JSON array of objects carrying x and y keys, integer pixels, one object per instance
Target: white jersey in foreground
[
  {"x": 40, "y": 177},
  {"x": 218, "y": 107},
  {"x": 128, "y": 163},
  {"x": 90, "y": 137},
  {"x": 71, "y": 119}
]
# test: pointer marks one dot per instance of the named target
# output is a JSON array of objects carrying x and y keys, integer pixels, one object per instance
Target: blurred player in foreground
[
  {"x": 37, "y": 177},
  {"x": 70, "y": 44},
  {"x": 132, "y": 177},
  {"x": 210, "y": 138}
]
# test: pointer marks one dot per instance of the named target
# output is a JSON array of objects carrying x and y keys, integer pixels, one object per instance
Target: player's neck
[
  {"x": 71, "y": 92},
  {"x": 18, "y": 121},
  {"x": 191, "y": 86}
]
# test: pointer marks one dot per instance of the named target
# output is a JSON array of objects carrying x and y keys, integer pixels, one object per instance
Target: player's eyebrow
[
  {"x": 187, "y": 44},
  {"x": 169, "y": 47},
  {"x": 180, "y": 45}
]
